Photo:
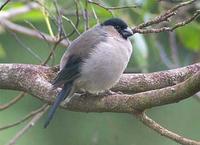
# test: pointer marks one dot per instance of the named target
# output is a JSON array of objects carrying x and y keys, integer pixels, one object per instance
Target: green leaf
[{"x": 190, "y": 36}]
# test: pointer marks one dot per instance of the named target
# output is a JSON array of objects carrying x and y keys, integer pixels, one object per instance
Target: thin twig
[
  {"x": 13, "y": 101},
  {"x": 28, "y": 126},
  {"x": 77, "y": 14},
  {"x": 197, "y": 13},
  {"x": 37, "y": 57},
  {"x": 18, "y": 11},
  {"x": 54, "y": 46},
  {"x": 156, "y": 20},
  {"x": 182, "y": 5},
  {"x": 61, "y": 32},
  {"x": 52, "y": 51},
  {"x": 28, "y": 116},
  {"x": 34, "y": 28},
  {"x": 86, "y": 15},
  {"x": 163, "y": 131},
  {"x": 167, "y": 29},
  {"x": 46, "y": 8},
  {"x": 165, "y": 16},
  {"x": 30, "y": 32},
  {"x": 4, "y": 4},
  {"x": 74, "y": 26},
  {"x": 95, "y": 15},
  {"x": 102, "y": 6},
  {"x": 112, "y": 8},
  {"x": 24, "y": 30}
]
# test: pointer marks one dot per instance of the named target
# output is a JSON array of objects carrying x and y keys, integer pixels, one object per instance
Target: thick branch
[
  {"x": 140, "y": 101},
  {"x": 134, "y": 83},
  {"x": 34, "y": 80}
]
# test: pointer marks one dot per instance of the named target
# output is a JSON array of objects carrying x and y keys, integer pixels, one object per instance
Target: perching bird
[{"x": 94, "y": 61}]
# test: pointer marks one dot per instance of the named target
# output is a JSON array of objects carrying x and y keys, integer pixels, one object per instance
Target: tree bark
[{"x": 158, "y": 88}]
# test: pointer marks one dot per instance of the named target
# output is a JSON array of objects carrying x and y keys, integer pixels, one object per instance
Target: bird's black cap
[
  {"x": 120, "y": 26},
  {"x": 115, "y": 22}
]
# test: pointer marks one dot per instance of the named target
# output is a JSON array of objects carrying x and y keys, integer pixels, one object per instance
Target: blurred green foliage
[
  {"x": 151, "y": 52},
  {"x": 185, "y": 33}
]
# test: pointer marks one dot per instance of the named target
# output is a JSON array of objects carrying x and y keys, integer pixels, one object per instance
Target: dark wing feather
[{"x": 69, "y": 73}]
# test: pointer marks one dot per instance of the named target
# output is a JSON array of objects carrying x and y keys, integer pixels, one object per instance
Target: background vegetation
[{"x": 152, "y": 52}]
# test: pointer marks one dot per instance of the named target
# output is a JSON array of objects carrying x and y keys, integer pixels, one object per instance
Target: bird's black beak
[{"x": 127, "y": 32}]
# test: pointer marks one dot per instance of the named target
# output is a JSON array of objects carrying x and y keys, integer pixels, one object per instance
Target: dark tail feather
[{"x": 61, "y": 96}]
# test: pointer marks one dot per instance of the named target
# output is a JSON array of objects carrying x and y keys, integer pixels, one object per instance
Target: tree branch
[
  {"x": 24, "y": 30},
  {"x": 28, "y": 116},
  {"x": 35, "y": 79},
  {"x": 165, "y": 17},
  {"x": 4, "y": 4},
  {"x": 30, "y": 32},
  {"x": 135, "y": 83},
  {"x": 33, "y": 121},
  {"x": 17, "y": 11},
  {"x": 153, "y": 89},
  {"x": 13, "y": 101},
  {"x": 163, "y": 131}
]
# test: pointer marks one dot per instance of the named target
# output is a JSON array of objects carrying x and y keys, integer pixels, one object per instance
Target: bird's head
[{"x": 119, "y": 25}]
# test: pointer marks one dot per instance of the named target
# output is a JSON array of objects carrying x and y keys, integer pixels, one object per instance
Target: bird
[{"x": 94, "y": 61}]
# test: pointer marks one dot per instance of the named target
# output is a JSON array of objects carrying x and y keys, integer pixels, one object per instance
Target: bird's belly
[
  {"x": 100, "y": 79},
  {"x": 103, "y": 69}
]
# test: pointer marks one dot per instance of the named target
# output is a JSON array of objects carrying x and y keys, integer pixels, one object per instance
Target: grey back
[{"x": 84, "y": 44}]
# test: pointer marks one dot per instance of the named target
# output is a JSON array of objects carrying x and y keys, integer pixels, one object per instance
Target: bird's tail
[{"x": 61, "y": 96}]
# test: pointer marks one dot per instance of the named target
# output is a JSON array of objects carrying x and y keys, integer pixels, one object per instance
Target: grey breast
[{"x": 106, "y": 64}]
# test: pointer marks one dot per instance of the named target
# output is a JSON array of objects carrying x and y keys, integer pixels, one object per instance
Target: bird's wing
[
  {"x": 78, "y": 51},
  {"x": 87, "y": 41},
  {"x": 70, "y": 72}
]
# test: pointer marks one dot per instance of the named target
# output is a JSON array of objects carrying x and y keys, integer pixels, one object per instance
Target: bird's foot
[
  {"x": 67, "y": 100},
  {"x": 99, "y": 94},
  {"x": 86, "y": 94},
  {"x": 106, "y": 93}
]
